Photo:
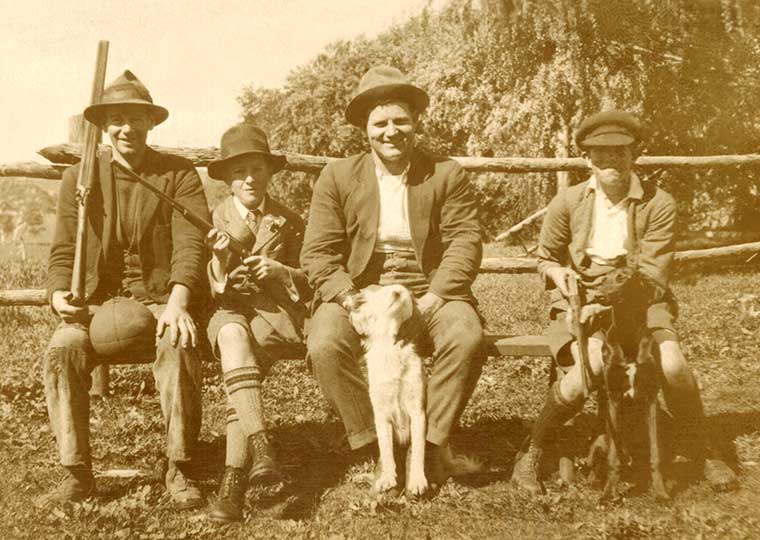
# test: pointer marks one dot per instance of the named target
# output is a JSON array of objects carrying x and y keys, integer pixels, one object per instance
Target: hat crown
[
  {"x": 126, "y": 87},
  {"x": 381, "y": 76},
  {"x": 609, "y": 128},
  {"x": 243, "y": 138}
]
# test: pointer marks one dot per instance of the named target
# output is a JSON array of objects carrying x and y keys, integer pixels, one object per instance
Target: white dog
[{"x": 388, "y": 320}]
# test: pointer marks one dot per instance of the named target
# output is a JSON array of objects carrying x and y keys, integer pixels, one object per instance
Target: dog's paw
[
  {"x": 417, "y": 485},
  {"x": 385, "y": 482}
]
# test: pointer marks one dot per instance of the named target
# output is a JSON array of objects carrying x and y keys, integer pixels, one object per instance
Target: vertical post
[
  {"x": 100, "y": 375},
  {"x": 561, "y": 151}
]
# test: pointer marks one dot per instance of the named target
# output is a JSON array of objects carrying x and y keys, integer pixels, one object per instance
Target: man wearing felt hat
[
  {"x": 616, "y": 232},
  {"x": 260, "y": 304},
  {"x": 394, "y": 215},
  {"x": 144, "y": 278}
]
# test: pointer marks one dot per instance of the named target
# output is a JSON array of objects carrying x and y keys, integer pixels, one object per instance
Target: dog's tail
[{"x": 459, "y": 465}]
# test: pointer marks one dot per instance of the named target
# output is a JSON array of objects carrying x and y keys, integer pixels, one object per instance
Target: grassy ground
[{"x": 327, "y": 498}]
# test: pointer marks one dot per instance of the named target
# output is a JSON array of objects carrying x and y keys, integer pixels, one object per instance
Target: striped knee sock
[
  {"x": 244, "y": 393},
  {"x": 237, "y": 447}
]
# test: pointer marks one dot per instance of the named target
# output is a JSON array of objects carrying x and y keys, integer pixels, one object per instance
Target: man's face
[
  {"x": 127, "y": 127},
  {"x": 390, "y": 129},
  {"x": 248, "y": 177},
  {"x": 611, "y": 166}
]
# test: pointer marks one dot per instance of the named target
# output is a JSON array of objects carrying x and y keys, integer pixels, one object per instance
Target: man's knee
[
  {"x": 330, "y": 335},
  {"x": 69, "y": 348},
  {"x": 458, "y": 328},
  {"x": 232, "y": 335},
  {"x": 672, "y": 361}
]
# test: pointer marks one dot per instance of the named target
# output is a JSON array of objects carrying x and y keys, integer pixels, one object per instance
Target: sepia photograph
[{"x": 343, "y": 269}]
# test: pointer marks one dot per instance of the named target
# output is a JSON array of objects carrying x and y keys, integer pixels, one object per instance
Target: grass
[{"x": 327, "y": 498}]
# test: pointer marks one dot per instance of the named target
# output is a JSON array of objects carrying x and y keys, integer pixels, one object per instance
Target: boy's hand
[
  {"x": 261, "y": 268},
  {"x": 220, "y": 247}
]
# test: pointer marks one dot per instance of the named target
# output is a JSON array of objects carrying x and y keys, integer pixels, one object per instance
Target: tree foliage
[{"x": 514, "y": 77}]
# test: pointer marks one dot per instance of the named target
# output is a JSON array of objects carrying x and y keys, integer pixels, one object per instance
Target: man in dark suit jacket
[
  {"x": 260, "y": 304},
  {"x": 394, "y": 215},
  {"x": 149, "y": 257}
]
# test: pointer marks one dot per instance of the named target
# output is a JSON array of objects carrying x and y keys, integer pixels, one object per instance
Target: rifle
[
  {"x": 204, "y": 226},
  {"x": 85, "y": 179},
  {"x": 576, "y": 306}
]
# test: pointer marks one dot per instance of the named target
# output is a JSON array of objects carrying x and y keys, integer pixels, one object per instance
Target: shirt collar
[
  {"x": 635, "y": 190},
  {"x": 243, "y": 211},
  {"x": 403, "y": 176}
]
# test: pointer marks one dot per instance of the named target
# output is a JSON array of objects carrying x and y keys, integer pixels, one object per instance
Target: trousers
[{"x": 70, "y": 359}]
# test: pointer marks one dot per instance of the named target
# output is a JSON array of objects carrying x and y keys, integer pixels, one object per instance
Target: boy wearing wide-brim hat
[
  {"x": 394, "y": 214},
  {"x": 260, "y": 303},
  {"x": 144, "y": 262},
  {"x": 616, "y": 232}
]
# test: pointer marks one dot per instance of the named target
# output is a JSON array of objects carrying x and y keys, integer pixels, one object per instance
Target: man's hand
[
  {"x": 428, "y": 304},
  {"x": 262, "y": 268},
  {"x": 61, "y": 303},
  {"x": 176, "y": 317},
  {"x": 559, "y": 275},
  {"x": 220, "y": 247}
]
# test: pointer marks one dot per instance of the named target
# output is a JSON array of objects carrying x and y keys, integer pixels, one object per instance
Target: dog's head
[{"x": 388, "y": 311}]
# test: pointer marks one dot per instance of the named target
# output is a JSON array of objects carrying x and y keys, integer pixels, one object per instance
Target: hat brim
[
  {"x": 608, "y": 139},
  {"x": 357, "y": 109},
  {"x": 94, "y": 113},
  {"x": 216, "y": 168}
]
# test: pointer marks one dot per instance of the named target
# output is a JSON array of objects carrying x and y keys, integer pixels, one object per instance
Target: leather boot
[
  {"x": 231, "y": 497},
  {"x": 182, "y": 488},
  {"x": 264, "y": 468},
  {"x": 556, "y": 411},
  {"x": 76, "y": 485}
]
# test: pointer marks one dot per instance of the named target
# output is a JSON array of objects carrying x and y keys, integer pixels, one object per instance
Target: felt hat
[
  {"x": 126, "y": 89},
  {"x": 380, "y": 83},
  {"x": 609, "y": 128},
  {"x": 241, "y": 140}
]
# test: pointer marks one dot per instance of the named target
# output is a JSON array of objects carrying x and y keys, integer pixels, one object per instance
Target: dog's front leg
[
  {"x": 387, "y": 478},
  {"x": 417, "y": 483},
  {"x": 655, "y": 453},
  {"x": 611, "y": 492}
]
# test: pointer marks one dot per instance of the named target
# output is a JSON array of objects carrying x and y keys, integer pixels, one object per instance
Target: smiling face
[
  {"x": 612, "y": 166},
  {"x": 390, "y": 129},
  {"x": 127, "y": 127},
  {"x": 248, "y": 177}
]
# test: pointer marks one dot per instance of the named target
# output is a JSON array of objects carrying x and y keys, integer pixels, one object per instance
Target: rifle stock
[
  {"x": 85, "y": 179},
  {"x": 574, "y": 299}
]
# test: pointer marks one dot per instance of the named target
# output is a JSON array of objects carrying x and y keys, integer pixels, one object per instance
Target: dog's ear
[{"x": 412, "y": 328}]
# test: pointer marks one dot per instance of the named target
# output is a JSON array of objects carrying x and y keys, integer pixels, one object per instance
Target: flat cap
[{"x": 609, "y": 128}]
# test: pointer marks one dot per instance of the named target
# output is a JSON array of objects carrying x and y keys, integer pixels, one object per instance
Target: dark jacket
[
  {"x": 171, "y": 250},
  {"x": 342, "y": 228}
]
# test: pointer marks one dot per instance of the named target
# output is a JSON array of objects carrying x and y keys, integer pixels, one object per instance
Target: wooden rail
[{"x": 65, "y": 154}]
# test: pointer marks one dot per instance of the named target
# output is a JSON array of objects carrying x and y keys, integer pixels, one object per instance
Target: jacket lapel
[
  {"x": 419, "y": 200},
  {"x": 585, "y": 222},
  {"x": 234, "y": 224},
  {"x": 149, "y": 201},
  {"x": 105, "y": 176},
  {"x": 366, "y": 200}
]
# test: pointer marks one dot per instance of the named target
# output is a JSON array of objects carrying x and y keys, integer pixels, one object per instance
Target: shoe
[
  {"x": 76, "y": 485},
  {"x": 231, "y": 497},
  {"x": 719, "y": 475},
  {"x": 182, "y": 489},
  {"x": 525, "y": 473},
  {"x": 264, "y": 468}
]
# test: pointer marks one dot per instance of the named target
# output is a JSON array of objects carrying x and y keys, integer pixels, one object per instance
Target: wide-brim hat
[
  {"x": 126, "y": 89},
  {"x": 242, "y": 140},
  {"x": 382, "y": 83},
  {"x": 609, "y": 128}
]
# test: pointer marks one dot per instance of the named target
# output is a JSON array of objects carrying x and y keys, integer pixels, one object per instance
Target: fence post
[{"x": 100, "y": 375}]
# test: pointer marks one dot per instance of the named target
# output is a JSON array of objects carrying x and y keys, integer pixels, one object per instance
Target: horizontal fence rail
[
  {"x": 62, "y": 155},
  {"x": 493, "y": 265}
]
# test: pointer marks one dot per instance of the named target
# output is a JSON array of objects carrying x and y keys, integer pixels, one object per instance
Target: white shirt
[
  {"x": 609, "y": 232},
  {"x": 243, "y": 211},
  {"x": 393, "y": 226}
]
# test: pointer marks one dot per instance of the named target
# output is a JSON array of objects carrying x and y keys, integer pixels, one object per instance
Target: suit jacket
[
  {"x": 272, "y": 301},
  {"x": 343, "y": 220},
  {"x": 171, "y": 250},
  {"x": 568, "y": 225}
]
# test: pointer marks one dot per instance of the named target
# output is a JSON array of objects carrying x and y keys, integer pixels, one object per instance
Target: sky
[{"x": 195, "y": 57}]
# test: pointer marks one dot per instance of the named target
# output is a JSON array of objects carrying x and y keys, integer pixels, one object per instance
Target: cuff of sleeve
[{"x": 290, "y": 286}]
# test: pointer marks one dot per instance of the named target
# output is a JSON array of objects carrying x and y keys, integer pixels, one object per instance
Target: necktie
[{"x": 252, "y": 220}]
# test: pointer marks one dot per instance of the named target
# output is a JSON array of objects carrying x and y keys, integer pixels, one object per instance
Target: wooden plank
[
  {"x": 517, "y": 346},
  {"x": 30, "y": 169},
  {"x": 69, "y": 153}
]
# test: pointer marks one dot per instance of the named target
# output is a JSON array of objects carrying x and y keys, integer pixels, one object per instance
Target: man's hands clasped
[
  {"x": 255, "y": 267},
  {"x": 559, "y": 275}
]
